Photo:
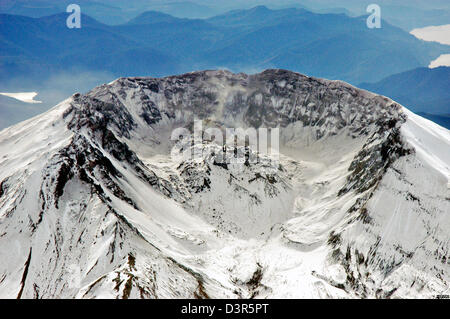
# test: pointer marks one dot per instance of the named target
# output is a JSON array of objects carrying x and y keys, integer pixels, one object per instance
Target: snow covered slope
[{"x": 92, "y": 204}]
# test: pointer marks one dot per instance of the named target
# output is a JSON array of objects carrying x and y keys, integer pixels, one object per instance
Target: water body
[{"x": 439, "y": 34}]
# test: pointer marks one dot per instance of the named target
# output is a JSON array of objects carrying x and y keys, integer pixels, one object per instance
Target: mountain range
[
  {"x": 407, "y": 15},
  {"x": 333, "y": 46},
  {"x": 109, "y": 12},
  {"x": 414, "y": 14}
]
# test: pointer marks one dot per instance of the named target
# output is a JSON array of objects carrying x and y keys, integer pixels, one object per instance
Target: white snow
[
  {"x": 442, "y": 60},
  {"x": 27, "y": 97},
  {"x": 439, "y": 34},
  {"x": 431, "y": 142}
]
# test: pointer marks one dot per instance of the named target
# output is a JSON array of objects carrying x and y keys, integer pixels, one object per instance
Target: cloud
[
  {"x": 439, "y": 34},
  {"x": 27, "y": 97}
]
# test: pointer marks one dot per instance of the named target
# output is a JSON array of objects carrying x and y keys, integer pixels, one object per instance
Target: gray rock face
[{"x": 272, "y": 98}]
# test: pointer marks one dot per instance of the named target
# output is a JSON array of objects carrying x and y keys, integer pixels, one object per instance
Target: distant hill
[
  {"x": 257, "y": 16},
  {"x": 104, "y": 12},
  {"x": 43, "y": 46},
  {"x": 405, "y": 14},
  {"x": 185, "y": 9},
  {"x": 333, "y": 46},
  {"x": 421, "y": 90},
  {"x": 152, "y": 17},
  {"x": 108, "y": 11}
]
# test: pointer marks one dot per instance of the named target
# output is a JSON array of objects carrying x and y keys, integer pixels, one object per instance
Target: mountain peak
[
  {"x": 151, "y": 17},
  {"x": 260, "y": 8}
]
